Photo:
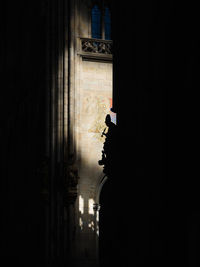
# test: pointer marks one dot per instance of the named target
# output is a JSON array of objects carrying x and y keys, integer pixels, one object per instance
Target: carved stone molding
[{"x": 96, "y": 48}]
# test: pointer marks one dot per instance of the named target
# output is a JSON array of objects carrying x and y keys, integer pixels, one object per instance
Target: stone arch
[
  {"x": 105, "y": 221},
  {"x": 102, "y": 180}
]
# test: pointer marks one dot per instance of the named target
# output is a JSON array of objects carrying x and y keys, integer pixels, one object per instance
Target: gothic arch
[{"x": 103, "y": 179}]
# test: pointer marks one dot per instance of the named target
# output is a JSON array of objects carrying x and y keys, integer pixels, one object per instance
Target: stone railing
[{"x": 96, "y": 48}]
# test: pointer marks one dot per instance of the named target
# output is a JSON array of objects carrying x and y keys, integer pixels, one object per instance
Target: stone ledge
[{"x": 96, "y": 57}]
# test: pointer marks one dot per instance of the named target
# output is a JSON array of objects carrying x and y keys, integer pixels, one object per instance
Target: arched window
[
  {"x": 96, "y": 22},
  {"x": 101, "y": 21},
  {"x": 107, "y": 24}
]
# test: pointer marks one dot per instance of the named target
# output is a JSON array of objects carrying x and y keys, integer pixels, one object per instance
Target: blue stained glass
[
  {"x": 96, "y": 22},
  {"x": 107, "y": 22}
]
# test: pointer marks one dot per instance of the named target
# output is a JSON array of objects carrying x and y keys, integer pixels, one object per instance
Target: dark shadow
[
  {"x": 156, "y": 81},
  {"x": 105, "y": 219},
  {"x": 111, "y": 210}
]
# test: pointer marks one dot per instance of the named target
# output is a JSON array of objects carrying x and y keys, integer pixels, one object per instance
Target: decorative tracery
[{"x": 96, "y": 46}]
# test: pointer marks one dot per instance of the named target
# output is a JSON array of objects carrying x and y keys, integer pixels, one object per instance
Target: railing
[{"x": 96, "y": 48}]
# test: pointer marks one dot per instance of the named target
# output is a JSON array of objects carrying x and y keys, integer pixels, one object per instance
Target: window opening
[
  {"x": 107, "y": 23},
  {"x": 96, "y": 22}
]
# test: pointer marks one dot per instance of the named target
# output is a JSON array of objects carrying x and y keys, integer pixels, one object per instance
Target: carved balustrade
[{"x": 96, "y": 48}]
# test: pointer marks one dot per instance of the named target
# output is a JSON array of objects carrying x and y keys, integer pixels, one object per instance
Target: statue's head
[{"x": 108, "y": 120}]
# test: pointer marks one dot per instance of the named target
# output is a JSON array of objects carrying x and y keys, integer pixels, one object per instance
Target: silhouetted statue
[{"x": 109, "y": 146}]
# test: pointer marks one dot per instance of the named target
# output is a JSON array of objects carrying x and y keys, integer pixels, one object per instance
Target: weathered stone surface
[{"x": 90, "y": 102}]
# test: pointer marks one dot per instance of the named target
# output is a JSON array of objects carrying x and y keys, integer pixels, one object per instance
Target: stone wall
[
  {"x": 90, "y": 102},
  {"x": 93, "y": 103}
]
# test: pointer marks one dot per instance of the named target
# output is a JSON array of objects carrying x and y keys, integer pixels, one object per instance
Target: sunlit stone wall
[
  {"x": 90, "y": 102},
  {"x": 94, "y": 103}
]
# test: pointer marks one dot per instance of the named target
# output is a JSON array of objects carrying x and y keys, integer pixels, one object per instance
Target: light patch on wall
[
  {"x": 81, "y": 204},
  {"x": 97, "y": 216},
  {"x": 81, "y": 223},
  {"x": 97, "y": 220},
  {"x": 91, "y": 225},
  {"x": 96, "y": 108},
  {"x": 90, "y": 206},
  {"x": 97, "y": 231}
]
